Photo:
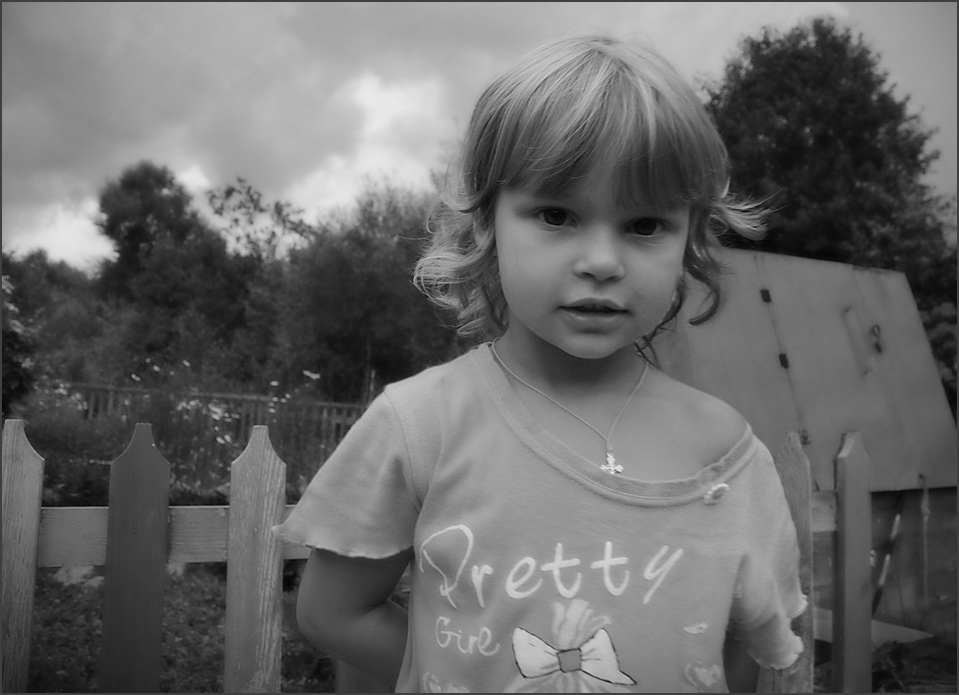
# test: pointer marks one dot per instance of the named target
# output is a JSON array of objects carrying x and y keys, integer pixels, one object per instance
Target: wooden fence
[
  {"x": 138, "y": 533},
  {"x": 201, "y": 433},
  {"x": 133, "y": 539}
]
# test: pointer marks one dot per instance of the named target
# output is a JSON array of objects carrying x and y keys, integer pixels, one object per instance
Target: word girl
[{"x": 572, "y": 518}]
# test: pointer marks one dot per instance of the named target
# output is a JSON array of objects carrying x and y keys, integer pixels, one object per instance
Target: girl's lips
[
  {"x": 593, "y": 309},
  {"x": 597, "y": 305},
  {"x": 592, "y": 319}
]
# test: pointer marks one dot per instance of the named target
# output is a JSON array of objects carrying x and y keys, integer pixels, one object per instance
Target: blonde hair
[{"x": 568, "y": 108}]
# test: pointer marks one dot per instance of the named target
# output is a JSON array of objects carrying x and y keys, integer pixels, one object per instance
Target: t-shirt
[{"x": 533, "y": 569}]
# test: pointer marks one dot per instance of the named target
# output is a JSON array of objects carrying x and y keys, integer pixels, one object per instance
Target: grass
[{"x": 66, "y": 637}]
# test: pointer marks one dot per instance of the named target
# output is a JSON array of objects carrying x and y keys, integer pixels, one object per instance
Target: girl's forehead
[{"x": 616, "y": 186}]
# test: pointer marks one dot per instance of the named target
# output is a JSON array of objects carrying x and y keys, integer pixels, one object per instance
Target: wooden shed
[{"x": 824, "y": 348}]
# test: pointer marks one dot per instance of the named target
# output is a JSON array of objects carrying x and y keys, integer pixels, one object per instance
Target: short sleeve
[
  {"x": 768, "y": 593},
  {"x": 359, "y": 503}
]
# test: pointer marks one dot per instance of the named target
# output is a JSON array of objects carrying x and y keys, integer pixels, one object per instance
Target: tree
[
  {"x": 143, "y": 206},
  {"x": 180, "y": 291},
  {"x": 350, "y": 312},
  {"x": 813, "y": 126},
  {"x": 258, "y": 229},
  {"x": 18, "y": 348},
  {"x": 57, "y": 306}
]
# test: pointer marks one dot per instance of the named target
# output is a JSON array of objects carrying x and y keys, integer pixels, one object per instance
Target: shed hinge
[
  {"x": 764, "y": 293},
  {"x": 783, "y": 360}
]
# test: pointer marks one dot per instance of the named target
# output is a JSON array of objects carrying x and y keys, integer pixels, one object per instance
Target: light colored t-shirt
[{"x": 533, "y": 569}]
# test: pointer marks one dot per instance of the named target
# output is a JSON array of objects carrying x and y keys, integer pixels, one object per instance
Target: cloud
[
  {"x": 65, "y": 231},
  {"x": 304, "y": 100},
  {"x": 401, "y": 131}
]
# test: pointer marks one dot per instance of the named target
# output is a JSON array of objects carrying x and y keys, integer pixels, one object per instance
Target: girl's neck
[{"x": 559, "y": 373}]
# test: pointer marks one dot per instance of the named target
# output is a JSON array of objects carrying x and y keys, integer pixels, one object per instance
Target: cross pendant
[{"x": 611, "y": 466}]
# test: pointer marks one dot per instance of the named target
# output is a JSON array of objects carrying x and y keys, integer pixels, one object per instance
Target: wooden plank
[
  {"x": 135, "y": 572},
  {"x": 78, "y": 535},
  {"x": 254, "y": 569},
  {"x": 911, "y": 383},
  {"x": 823, "y": 511},
  {"x": 813, "y": 304},
  {"x": 72, "y": 536},
  {"x": 853, "y": 589},
  {"x": 199, "y": 534},
  {"x": 793, "y": 468},
  {"x": 822, "y": 318},
  {"x": 735, "y": 356},
  {"x": 22, "y": 495},
  {"x": 880, "y": 631}
]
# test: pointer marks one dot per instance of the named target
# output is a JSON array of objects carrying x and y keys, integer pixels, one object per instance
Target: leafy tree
[
  {"x": 258, "y": 229},
  {"x": 179, "y": 289},
  {"x": 813, "y": 126},
  {"x": 261, "y": 233},
  {"x": 351, "y": 313},
  {"x": 57, "y": 306},
  {"x": 143, "y": 206},
  {"x": 18, "y": 347}
]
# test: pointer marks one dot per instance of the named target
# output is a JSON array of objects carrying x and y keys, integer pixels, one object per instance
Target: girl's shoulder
[
  {"x": 440, "y": 390},
  {"x": 718, "y": 426},
  {"x": 449, "y": 375}
]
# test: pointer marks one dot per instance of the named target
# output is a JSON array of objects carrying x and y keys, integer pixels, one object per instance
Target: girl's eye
[
  {"x": 647, "y": 226},
  {"x": 554, "y": 217}
]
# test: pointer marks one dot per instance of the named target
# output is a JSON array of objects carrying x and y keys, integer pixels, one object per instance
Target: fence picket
[
  {"x": 22, "y": 494},
  {"x": 135, "y": 572},
  {"x": 853, "y": 597},
  {"x": 254, "y": 569}
]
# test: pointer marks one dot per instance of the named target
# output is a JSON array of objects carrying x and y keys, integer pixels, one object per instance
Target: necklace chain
[{"x": 610, "y": 466}]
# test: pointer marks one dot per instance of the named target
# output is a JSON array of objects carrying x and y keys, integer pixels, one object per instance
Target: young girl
[{"x": 574, "y": 520}]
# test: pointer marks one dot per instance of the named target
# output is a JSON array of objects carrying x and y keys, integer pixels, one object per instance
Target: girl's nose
[{"x": 600, "y": 257}]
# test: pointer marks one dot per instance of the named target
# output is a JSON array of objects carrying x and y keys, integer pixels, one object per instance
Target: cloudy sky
[{"x": 305, "y": 100}]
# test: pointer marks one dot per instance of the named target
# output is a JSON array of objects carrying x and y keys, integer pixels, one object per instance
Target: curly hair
[{"x": 569, "y": 108}]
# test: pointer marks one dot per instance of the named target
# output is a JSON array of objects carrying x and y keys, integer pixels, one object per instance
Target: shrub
[
  {"x": 75, "y": 449},
  {"x": 67, "y": 629}
]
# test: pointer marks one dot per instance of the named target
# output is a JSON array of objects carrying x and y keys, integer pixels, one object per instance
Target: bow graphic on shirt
[{"x": 595, "y": 657}]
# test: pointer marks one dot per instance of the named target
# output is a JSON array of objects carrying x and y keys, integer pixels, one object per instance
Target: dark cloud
[
  {"x": 263, "y": 90},
  {"x": 242, "y": 89}
]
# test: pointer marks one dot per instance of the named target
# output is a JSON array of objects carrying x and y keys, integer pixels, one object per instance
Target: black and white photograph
[{"x": 479, "y": 347}]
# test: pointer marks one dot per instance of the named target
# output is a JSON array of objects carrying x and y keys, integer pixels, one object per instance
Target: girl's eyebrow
[{"x": 570, "y": 199}]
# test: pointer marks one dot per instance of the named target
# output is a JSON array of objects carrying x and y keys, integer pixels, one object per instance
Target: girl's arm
[{"x": 344, "y": 608}]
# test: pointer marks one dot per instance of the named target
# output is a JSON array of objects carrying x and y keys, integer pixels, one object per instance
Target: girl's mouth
[
  {"x": 594, "y": 308},
  {"x": 593, "y": 317}
]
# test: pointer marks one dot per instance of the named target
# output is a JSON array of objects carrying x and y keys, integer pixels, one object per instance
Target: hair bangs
[{"x": 605, "y": 119}]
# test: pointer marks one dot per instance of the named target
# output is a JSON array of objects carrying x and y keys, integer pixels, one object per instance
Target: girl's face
[{"x": 582, "y": 274}]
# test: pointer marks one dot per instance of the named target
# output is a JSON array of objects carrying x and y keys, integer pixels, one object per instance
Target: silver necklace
[{"x": 610, "y": 466}]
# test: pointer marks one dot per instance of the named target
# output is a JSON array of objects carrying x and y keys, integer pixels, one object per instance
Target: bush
[
  {"x": 67, "y": 629},
  {"x": 75, "y": 450}
]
